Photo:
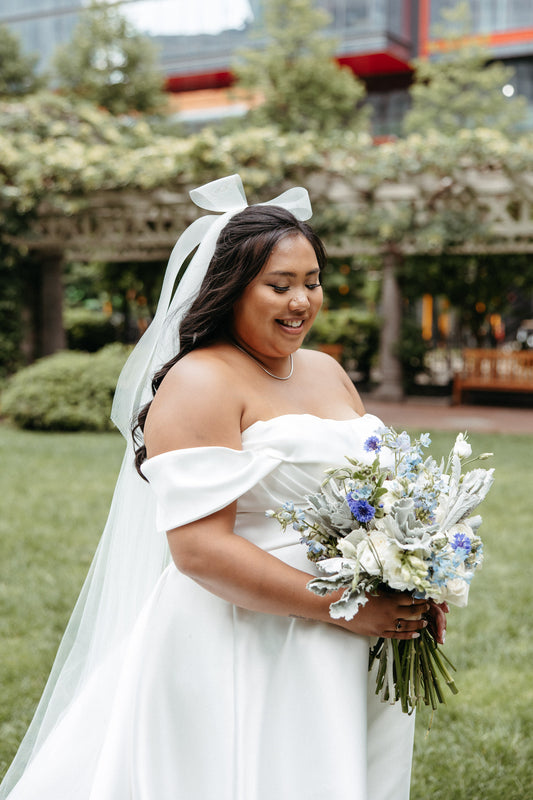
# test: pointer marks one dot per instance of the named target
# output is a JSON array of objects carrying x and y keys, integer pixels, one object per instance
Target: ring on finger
[{"x": 398, "y": 625}]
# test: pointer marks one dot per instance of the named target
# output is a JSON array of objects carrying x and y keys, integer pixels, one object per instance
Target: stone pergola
[{"x": 127, "y": 226}]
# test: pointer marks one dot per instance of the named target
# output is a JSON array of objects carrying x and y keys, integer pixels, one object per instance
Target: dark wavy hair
[{"x": 242, "y": 249}]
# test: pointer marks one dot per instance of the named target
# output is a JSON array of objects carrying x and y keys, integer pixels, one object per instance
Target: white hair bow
[{"x": 160, "y": 342}]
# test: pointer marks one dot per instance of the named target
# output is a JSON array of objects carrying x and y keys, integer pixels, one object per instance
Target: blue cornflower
[
  {"x": 361, "y": 509},
  {"x": 462, "y": 542},
  {"x": 372, "y": 444}
]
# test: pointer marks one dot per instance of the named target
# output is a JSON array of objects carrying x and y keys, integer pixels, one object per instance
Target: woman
[{"x": 234, "y": 683}]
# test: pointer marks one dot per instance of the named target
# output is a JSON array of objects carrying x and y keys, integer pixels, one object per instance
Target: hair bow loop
[
  {"x": 295, "y": 200},
  {"x": 224, "y": 194}
]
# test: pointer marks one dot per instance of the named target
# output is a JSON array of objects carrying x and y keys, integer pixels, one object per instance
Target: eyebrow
[{"x": 287, "y": 274}]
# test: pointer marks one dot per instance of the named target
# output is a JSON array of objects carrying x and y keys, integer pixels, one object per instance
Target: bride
[{"x": 213, "y": 673}]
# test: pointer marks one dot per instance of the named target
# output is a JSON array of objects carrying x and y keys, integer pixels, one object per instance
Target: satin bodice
[{"x": 282, "y": 459}]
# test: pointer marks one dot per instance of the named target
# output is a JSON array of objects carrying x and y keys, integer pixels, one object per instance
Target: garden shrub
[
  {"x": 87, "y": 329},
  {"x": 68, "y": 391}
]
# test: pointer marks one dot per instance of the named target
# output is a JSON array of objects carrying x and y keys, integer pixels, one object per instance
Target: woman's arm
[
  {"x": 241, "y": 573},
  {"x": 200, "y": 402}
]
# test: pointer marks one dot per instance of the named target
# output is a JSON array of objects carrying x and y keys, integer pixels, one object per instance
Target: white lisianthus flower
[
  {"x": 394, "y": 493},
  {"x": 461, "y": 447}
]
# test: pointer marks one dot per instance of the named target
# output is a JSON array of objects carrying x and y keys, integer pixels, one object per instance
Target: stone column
[
  {"x": 390, "y": 367},
  {"x": 52, "y": 331}
]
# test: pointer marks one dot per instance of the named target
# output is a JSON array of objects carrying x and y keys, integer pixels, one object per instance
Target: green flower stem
[
  {"x": 382, "y": 669},
  {"x": 401, "y": 686},
  {"x": 428, "y": 675},
  {"x": 414, "y": 674},
  {"x": 435, "y": 654}
]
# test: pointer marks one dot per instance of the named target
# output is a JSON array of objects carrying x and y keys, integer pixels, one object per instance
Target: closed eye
[{"x": 281, "y": 289}]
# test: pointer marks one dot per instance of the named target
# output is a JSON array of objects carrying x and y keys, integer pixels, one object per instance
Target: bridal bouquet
[{"x": 401, "y": 521}]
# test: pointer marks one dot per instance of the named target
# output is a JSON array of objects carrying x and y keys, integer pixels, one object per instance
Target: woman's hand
[
  {"x": 394, "y": 615},
  {"x": 436, "y": 618}
]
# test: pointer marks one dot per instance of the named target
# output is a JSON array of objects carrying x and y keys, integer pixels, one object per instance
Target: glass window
[
  {"x": 489, "y": 15},
  {"x": 519, "y": 14}
]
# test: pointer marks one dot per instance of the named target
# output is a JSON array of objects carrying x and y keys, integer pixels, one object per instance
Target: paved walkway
[{"x": 437, "y": 414}]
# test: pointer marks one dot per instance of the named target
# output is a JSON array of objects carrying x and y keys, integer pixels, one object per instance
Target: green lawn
[{"x": 56, "y": 490}]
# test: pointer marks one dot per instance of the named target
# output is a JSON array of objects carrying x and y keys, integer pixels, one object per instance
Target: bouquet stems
[{"x": 418, "y": 667}]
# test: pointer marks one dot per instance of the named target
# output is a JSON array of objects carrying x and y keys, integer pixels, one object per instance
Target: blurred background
[{"x": 408, "y": 120}]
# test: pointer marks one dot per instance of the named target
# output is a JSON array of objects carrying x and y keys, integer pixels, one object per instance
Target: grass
[
  {"x": 480, "y": 747},
  {"x": 56, "y": 490}
]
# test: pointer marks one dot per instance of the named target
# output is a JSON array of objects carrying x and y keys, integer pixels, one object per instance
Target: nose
[{"x": 299, "y": 301}]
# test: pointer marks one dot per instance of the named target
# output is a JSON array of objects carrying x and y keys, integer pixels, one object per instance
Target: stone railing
[{"x": 143, "y": 226}]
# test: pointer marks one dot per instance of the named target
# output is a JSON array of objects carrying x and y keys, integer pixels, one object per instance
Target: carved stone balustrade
[{"x": 127, "y": 226}]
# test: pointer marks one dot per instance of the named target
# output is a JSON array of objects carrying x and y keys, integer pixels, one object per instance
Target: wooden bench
[{"x": 493, "y": 371}]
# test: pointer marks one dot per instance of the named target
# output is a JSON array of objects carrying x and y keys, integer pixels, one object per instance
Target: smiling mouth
[{"x": 291, "y": 323}]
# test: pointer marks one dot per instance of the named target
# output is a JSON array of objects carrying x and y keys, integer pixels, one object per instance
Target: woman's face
[{"x": 278, "y": 307}]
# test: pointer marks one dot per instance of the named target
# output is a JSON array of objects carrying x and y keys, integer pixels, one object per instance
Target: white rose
[
  {"x": 461, "y": 447},
  {"x": 456, "y": 592},
  {"x": 373, "y": 552}
]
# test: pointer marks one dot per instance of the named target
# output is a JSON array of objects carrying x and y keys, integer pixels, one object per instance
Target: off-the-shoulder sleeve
[{"x": 192, "y": 483}]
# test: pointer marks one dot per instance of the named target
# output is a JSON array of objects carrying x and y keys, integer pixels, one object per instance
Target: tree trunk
[
  {"x": 390, "y": 367},
  {"x": 52, "y": 331}
]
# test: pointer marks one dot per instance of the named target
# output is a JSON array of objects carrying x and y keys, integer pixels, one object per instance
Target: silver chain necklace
[{"x": 277, "y": 377}]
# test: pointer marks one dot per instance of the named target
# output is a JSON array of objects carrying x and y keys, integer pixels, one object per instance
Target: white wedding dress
[{"x": 219, "y": 703}]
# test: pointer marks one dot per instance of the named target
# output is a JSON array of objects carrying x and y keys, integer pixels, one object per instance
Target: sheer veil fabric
[{"x": 131, "y": 555}]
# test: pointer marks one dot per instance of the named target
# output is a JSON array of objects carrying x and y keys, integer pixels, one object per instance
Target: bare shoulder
[
  {"x": 326, "y": 368},
  {"x": 198, "y": 404}
]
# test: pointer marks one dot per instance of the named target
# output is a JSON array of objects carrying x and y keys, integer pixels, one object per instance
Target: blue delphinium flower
[
  {"x": 403, "y": 442},
  {"x": 425, "y": 440},
  {"x": 372, "y": 444},
  {"x": 361, "y": 509},
  {"x": 462, "y": 542},
  {"x": 360, "y": 492},
  {"x": 442, "y": 569},
  {"x": 313, "y": 547}
]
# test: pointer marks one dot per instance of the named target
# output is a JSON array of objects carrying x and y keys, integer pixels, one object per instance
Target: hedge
[{"x": 68, "y": 391}]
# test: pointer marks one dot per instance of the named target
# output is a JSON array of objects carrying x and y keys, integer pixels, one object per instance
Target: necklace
[{"x": 277, "y": 377}]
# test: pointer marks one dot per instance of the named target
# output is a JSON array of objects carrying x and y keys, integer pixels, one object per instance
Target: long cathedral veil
[{"x": 131, "y": 555}]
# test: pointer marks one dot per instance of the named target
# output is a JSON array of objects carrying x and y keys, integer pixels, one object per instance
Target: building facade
[{"x": 377, "y": 39}]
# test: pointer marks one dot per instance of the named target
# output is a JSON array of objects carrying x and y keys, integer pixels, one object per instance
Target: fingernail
[
  {"x": 416, "y": 635},
  {"x": 443, "y": 637}
]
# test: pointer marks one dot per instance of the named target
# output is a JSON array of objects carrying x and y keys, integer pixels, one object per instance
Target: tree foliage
[
  {"x": 17, "y": 71},
  {"x": 459, "y": 89},
  {"x": 421, "y": 194},
  {"x": 110, "y": 64},
  {"x": 301, "y": 86}
]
